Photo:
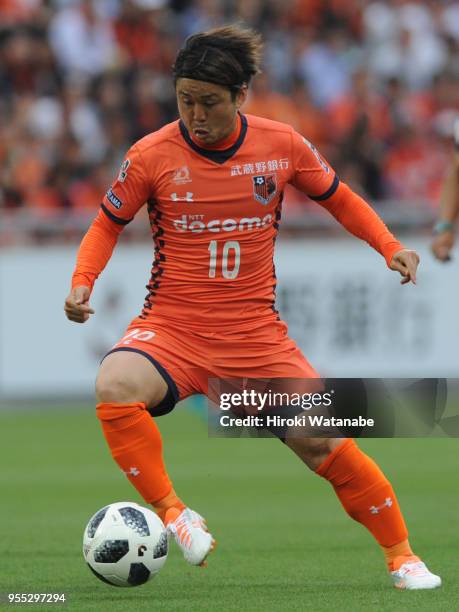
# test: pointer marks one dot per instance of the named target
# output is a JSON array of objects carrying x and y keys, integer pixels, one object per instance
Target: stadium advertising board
[{"x": 348, "y": 314}]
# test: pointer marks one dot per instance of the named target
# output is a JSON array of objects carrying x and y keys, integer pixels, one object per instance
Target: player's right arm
[
  {"x": 94, "y": 253},
  {"x": 122, "y": 201},
  {"x": 443, "y": 239}
]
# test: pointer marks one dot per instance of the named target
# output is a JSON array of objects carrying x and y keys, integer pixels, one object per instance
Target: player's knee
[
  {"x": 116, "y": 388},
  {"x": 317, "y": 447},
  {"x": 313, "y": 451}
]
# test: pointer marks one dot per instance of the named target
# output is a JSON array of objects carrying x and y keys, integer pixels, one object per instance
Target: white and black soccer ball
[{"x": 125, "y": 544}]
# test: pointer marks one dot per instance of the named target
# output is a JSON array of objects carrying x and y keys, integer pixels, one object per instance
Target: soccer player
[
  {"x": 213, "y": 183},
  {"x": 443, "y": 239}
]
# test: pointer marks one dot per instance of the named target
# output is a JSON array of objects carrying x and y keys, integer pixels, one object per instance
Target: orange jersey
[{"x": 215, "y": 214}]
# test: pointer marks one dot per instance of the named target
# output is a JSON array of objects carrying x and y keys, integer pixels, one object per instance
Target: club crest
[{"x": 264, "y": 188}]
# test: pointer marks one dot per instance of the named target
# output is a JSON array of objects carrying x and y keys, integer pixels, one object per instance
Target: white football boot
[
  {"x": 189, "y": 530},
  {"x": 413, "y": 575}
]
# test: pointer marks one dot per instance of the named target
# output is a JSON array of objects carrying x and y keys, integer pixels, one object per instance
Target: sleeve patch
[
  {"x": 317, "y": 154},
  {"x": 114, "y": 199},
  {"x": 123, "y": 170}
]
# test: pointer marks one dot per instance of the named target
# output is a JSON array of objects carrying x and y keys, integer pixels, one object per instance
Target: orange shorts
[{"x": 187, "y": 359}]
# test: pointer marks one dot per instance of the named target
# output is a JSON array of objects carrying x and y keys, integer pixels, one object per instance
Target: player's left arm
[
  {"x": 314, "y": 176},
  {"x": 362, "y": 221}
]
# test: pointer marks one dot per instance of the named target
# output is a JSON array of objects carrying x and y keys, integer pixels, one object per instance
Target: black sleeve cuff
[
  {"x": 328, "y": 193},
  {"x": 113, "y": 217}
]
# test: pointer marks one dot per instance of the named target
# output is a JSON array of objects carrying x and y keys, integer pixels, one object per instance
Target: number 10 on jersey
[{"x": 231, "y": 250}]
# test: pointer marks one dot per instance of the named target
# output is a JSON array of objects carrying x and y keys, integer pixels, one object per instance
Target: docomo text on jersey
[{"x": 196, "y": 224}]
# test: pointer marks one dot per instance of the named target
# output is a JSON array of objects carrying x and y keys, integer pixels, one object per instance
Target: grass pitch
[{"x": 284, "y": 542}]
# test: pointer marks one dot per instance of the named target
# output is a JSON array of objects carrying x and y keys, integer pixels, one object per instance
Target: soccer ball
[{"x": 125, "y": 544}]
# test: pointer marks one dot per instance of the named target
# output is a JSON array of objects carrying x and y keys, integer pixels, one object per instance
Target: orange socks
[
  {"x": 366, "y": 494},
  {"x": 398, "y": 555},
  {"x": 135, "y": 442},
  {"x": 171, "y": 501},
  {"x": 368, "y": 497}
]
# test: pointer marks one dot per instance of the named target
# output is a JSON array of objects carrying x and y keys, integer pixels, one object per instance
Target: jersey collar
[{"x": 215, "y": 155}]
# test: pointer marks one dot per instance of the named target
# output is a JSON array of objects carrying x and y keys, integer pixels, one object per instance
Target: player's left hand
[{"x": 406, "y": 262}]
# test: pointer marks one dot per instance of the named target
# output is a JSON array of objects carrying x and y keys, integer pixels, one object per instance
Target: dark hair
[{"x": 228, "y": 56}]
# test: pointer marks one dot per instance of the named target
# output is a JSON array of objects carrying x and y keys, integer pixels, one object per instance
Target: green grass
[{"x": 284, "y": 542}]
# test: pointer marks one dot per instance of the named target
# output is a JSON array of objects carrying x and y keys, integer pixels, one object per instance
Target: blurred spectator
[
  {"x": 414, "y": 166},
  {"x": 362, "y": 99},
  {"x": 82, "y": 39},
  {"x": 14, "y": 12},
  {"x": 324, "y": 65},
  {"x": 84, "y": 121},
  {"x": 295, "y": 109},
  {"x": 201, "y": 15},
  {"x": 403, "y": 41}
]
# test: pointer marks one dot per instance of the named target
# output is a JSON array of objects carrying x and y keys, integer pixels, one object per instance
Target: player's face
[{"x": 208, "y": 110}]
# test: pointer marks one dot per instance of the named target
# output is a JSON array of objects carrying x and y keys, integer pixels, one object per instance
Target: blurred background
[{"x": 374, "y": 85}]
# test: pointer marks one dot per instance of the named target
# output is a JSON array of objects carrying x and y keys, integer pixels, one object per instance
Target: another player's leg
[
  {"x": 368, "y": 497},
  {"x": 127, "y": 385}
]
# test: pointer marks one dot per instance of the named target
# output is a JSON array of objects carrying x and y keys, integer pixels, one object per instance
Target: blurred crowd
[{"x": 375, "y": 85}]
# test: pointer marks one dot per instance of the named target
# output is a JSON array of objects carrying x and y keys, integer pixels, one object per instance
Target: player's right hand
[
  {"x": 442, "y": 245},
  {"x": 76, "y": 305},
  {"x": 406, "y": 263}
]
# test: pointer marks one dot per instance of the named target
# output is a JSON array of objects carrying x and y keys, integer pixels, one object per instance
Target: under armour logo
[
  {"x": 187, "y": 198},
  {"x": 387, "y": 503},
  {"x": 133, "y": 471}
]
